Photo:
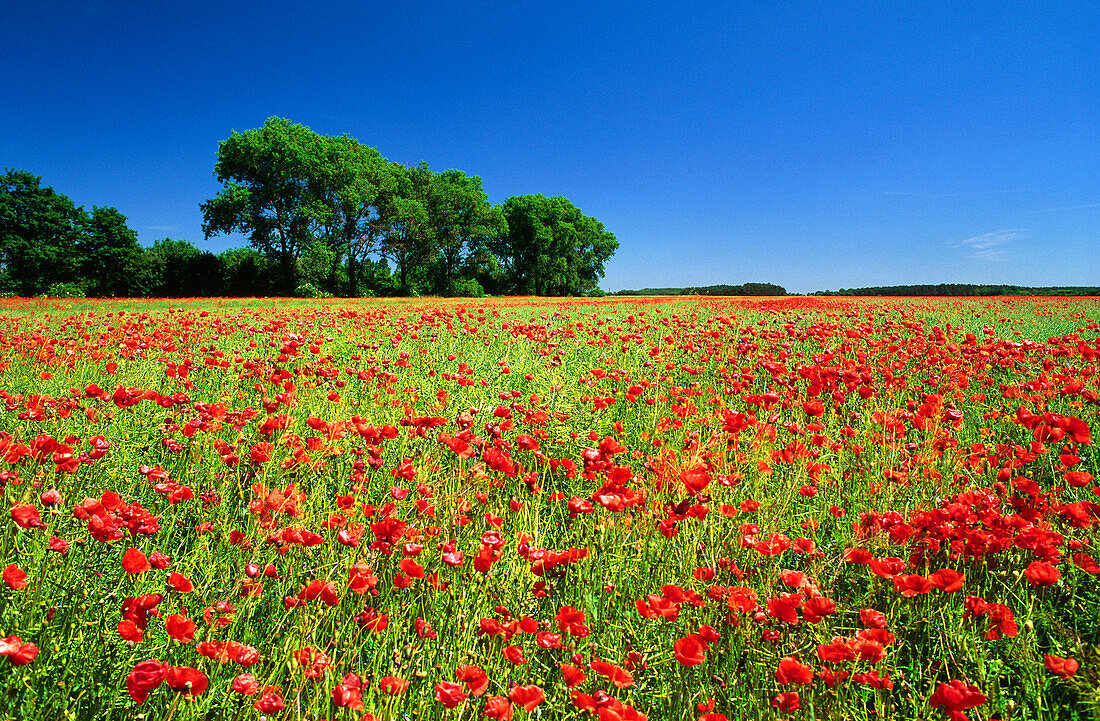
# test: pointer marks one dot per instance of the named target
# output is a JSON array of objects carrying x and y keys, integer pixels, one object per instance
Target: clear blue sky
[{"x": 813, "y": 145}]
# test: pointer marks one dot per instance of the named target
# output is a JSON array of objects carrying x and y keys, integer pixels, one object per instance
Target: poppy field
[{"x": 607, "y": 509}]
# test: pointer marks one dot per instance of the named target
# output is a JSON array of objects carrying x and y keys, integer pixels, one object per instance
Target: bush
[
  {"x": 66, "y": 290},
  {"x": 468, "y": 288},
  {"x": 309, "y": 290}
]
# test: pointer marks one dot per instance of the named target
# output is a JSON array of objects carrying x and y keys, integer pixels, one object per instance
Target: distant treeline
[
  {"x": 743, "y": 289},
  {"x": 962, "y": 289}
]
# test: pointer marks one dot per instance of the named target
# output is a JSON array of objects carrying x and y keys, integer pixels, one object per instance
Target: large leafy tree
[
  {"x": 462, "y": 221},
  {"x": 275, "y": 190},
  {"x": 354, "y": 182},
  {"x": 111, "y": 261},
  {"x": 39, "y": 233},
  {"x": 551, "y": 247},
  {"x": 406, "y": 227}
]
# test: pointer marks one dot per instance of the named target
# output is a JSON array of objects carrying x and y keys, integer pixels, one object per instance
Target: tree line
[
  {"x": 743, "y": 289},
  {"x": 323, "y": 215},
  {"x": 962, "y": 290}
]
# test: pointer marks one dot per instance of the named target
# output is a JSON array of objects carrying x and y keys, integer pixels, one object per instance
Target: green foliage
[
  {"x": 461, "y": 220},
  {"x": 319, "y": 266},
  {"x": 39, "y": 234},
  {"x": 66, "y": 290},
  {"x": 965, "y": 290},
  {"x": 328, "y": 212},
  {"x": 177, "y": 269},
  {"x": 111, "y": 261},
  {"x": 308, "y": 290},
  {"x": 274, "y": 181},
  {"x": 245, "y": 272},
  {"x": 753, "y": 289},
  {"x": 551, "y": 248},
  {"x": 467, "y": 288},
  {"x": 47, "y": 242},
  {"x": 357, "y": 181}
]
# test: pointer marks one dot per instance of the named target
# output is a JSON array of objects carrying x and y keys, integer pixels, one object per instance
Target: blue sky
[{"x": 813, "y": 145}]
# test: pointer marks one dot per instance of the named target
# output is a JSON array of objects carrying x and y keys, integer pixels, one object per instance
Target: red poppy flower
[
  {"x": 871, "y": 618},
  {"x": 349, "y": 692},
  {"x": 270, "y": 701},
  {"x": 411, "y": 568},
  {"x": 514, "y": 654},
  {"x": 27, "y": 652},
  {"x": 695, "y": 479},
  {"x": 573, "y": 675},
  {"x": 476, "y": 680},
  {"x": 15, "y": 577},
  {"x": 773, "y": 545},
  {"x": 911, "y": 584},
  {"x": 246, "y": 684},
  {"x": 184, "y": 679},
  {"x": 619, "y": 677},
  {"x": 180, "y": 583},
  {"x": 135, "y": 562},
  {"x": 1063, "y": 667},
  {"x": 145, "y": 677},
  {"x": 1042, "y": 573},
  {"x": 957, "y": 696},
  {"x": 690, "y": 650},
  {"x": 130, "y": 631},
  {"x": 392, "y": 685},
  {"x": 529, "y": 697},
  {"x": 818, "y": 608},
  {"x": 785, "y": 607},
  {"x": 1078, "y": 479},
  {"x": 786, "y": 701},
  {"x": 947, "y": 580},
  {"x": 838, "y": 651},
  {"x": 449, "y": 694},
  {"x": 180, "y": 628},
  {"x": 791, "y": 671},
  {"x": 261, "y": 452},
  {"x": 887, "y": 567},
  {"x": 1001, "y": 621},
  {"x": 571, "y": 620},
  {"x": 497, "y": 707},
  {"x": 26, "y": 516},
  {"x": 1086, "y": 563}
]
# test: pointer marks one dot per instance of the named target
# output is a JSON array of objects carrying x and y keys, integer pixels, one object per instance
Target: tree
[
  {"x": 177, "y": 269},
  {"x": 275, "y": 180},
  {"x": 244, "y": 272},
  {"x": 403, "y": 217},
  {"x": 354, "y": 179},
  {"x": 319, "y": 269},
  {"x": 111, "y": 261},
  {"x": 551, "y": 248},
  {"x": 461, "y": 221},
  {"x": 39, "y": 231}
]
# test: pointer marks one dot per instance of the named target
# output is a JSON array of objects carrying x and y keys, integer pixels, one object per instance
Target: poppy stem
[{"x": 172, "y": 708}]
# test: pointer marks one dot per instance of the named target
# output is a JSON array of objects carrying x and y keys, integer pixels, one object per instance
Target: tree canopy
[
  {"x": 551, "y": 248},
  {"x": 288, "y": 188},
  {"x": 47, "y": 242},
  {"x": 323, "y": 215}
]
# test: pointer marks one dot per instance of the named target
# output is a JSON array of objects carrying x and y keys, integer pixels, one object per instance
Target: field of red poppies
[{"x": 616, "y": 509}]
